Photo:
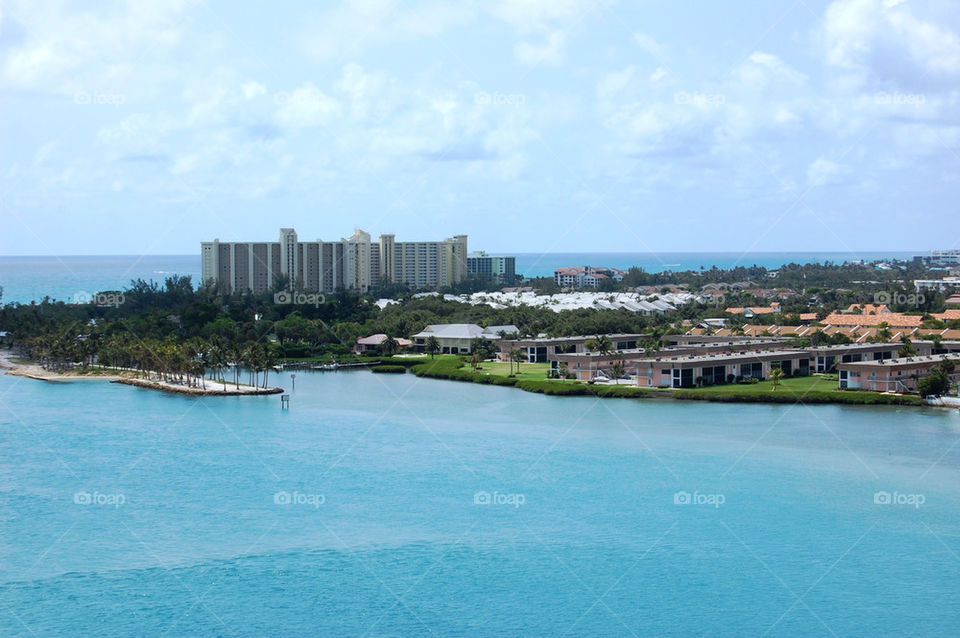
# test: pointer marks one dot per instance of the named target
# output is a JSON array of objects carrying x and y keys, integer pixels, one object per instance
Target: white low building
[{"x": 456, "y": 338}]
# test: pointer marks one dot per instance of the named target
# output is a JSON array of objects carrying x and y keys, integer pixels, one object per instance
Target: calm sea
[
  {"x": 403, "y": 506},
  {"x": 26, "y": 279}
]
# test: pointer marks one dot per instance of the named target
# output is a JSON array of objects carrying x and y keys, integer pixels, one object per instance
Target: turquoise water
[
  {"x": 26, "y": 279},
  {"x": 382, "y": 534}
]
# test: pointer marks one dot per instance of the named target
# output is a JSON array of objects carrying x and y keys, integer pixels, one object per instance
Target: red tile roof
[{"x": 892, "y": 319}]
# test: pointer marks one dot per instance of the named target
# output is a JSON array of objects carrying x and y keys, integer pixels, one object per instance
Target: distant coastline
[{"x": 31, "y": 278}]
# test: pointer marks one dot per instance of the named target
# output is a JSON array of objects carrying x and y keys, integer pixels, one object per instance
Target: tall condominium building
[
  {"x": 500, "y": 269},
  {"x": 353, "y": 263}
]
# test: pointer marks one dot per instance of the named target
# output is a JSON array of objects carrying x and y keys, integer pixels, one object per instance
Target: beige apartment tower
[{"x": 353, "y": 263}]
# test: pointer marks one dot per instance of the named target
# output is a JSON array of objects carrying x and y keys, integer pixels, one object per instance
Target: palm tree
[
  {"x": 937, "y": 340},
  {"x": 883, "y": 332},
  {"x": 516, "y": 356},
  {"x": 776, "y": 374},
  {"x": 907, "y": 349},
  {"x": 237, "y": 354},
  {"x": 603, "y": 344},
  {"x": 432, "y": 346},
  {"x": 650, "y": 347},
  {"x": 269, "y": 360},
  {"x": 389, "y": 347},
  {"x": 619, "y": 370}
]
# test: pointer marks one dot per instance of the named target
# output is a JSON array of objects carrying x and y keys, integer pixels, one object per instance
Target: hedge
[{"x": 389, "y": 369}]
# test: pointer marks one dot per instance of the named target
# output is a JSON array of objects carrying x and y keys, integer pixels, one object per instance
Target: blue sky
[{"x": 146, "y": 127}]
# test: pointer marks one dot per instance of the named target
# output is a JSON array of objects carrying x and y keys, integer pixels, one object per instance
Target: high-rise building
[
  {"x": 500, "y": 269},
  {"x": 353, "y": 263}
]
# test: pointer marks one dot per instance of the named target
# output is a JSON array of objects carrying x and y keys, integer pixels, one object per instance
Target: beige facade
[{"x": 353, "y": 263}]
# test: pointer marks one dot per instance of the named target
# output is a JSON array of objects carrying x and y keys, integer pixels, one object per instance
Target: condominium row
[{"x": 353, "y": 263}]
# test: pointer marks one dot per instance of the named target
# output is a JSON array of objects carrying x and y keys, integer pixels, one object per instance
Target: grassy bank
[{"x": 813, "y": 389}]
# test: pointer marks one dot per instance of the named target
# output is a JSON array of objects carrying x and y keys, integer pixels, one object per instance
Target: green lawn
[
  {"x": 818, "y": 388},
  {"x": 532, "y": 378},
  {"x": 531, "y": 371},
  {"x": 792, "y": 385}
]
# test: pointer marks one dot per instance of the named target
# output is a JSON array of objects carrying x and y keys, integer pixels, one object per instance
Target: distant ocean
[{"x": 26, "y": 279}]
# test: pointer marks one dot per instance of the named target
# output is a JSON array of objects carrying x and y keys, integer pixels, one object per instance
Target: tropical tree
[
  {"x": 600, "y": 344},
  {"x": 482, "y": 347},
  {"x": 937, "y": 382},
  {"x": 883, "y": 332},
  {"x": 937, "y": 340},
  {"x": 776, "y": 375},
  {"x": 907, "y": 349},
  {"x": 389, "y": 347},
  {"x": 619, "y": 370},
  {"x": 432, "y": 346},
  {"x": 516, "y": 356}
]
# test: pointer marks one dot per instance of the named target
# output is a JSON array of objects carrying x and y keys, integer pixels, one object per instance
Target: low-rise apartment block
[
  {"x": 586, "y": 276},
  {"x": 891, "y": 375},
  {"x": 546, "y": 349}
]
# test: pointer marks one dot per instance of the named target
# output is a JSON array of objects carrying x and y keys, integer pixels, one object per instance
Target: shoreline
[
  {"x": 231, "y": 391},
  {"x": 37, "y": 373},
  {"x": 558, "y": 388}
]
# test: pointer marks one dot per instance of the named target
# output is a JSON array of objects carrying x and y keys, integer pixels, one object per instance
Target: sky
[{"x": 146, "y": 127}]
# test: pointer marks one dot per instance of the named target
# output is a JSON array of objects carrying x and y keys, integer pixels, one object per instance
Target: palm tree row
[{"x": 189, "y": 362}]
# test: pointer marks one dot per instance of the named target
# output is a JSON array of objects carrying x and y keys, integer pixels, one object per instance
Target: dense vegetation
[{"x": 174, "y": 329}]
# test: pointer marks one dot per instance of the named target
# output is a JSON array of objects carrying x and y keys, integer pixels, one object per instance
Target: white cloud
[
  {"x": 648, "y": 44},
  {"x": 43, "y": 152},
  {"x": 306, "y": 106},
  {"x": 823, "y": 171},
  {"x": 546, "y": 15},
  {"x": 614, "y": 82},
  {"x": 548, "y": 53},
  {"x": 349, "y": 29},
  {"x": 252, "y": 89},
  {"x": 763, "y": 69},
  {"x": 54, "y": 47},
  {"x": 885, "y": 43}
]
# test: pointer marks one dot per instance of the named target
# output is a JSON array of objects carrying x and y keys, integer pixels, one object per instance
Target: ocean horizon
[{"x": 69, "y": 277}]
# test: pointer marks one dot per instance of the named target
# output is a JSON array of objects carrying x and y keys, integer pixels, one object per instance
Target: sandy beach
[{"x": 213, "y": 388}]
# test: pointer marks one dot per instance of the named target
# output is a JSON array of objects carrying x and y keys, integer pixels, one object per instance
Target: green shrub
[
  {"x": 406, "y": 362},
  {"x": 390, "y": 369}
]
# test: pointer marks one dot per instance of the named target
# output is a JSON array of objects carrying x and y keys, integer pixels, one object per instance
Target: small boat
[{"x": 327, "y": 366}]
